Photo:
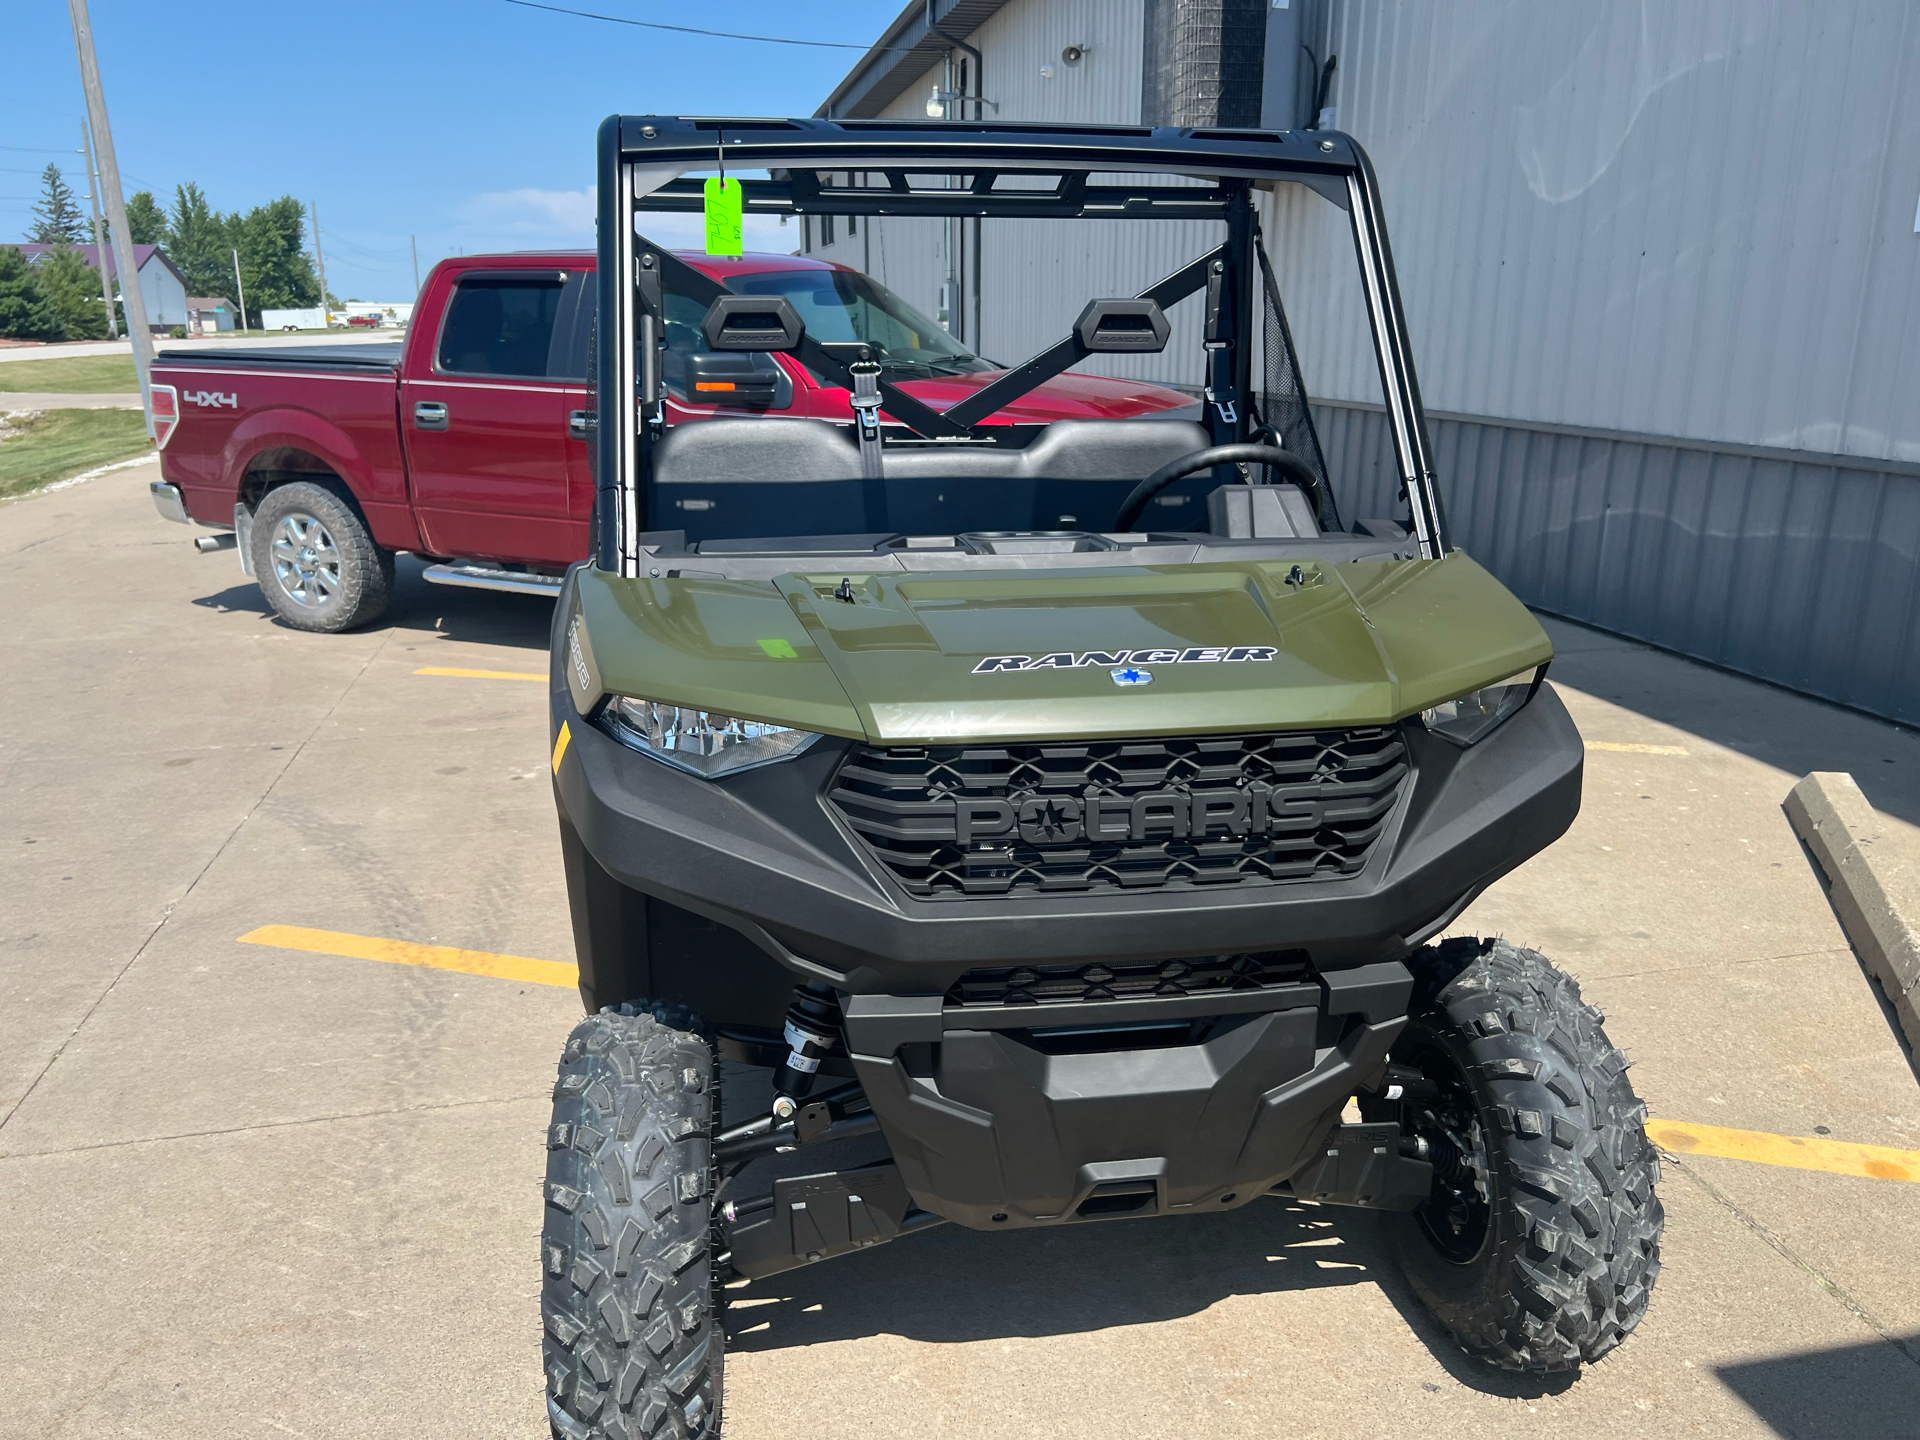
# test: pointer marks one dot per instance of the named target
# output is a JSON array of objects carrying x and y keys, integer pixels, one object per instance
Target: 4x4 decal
[{"x": 1069, "y": 660}]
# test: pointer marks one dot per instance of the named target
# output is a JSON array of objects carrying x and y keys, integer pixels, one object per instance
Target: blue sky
[{"x": 468, "y": 123}]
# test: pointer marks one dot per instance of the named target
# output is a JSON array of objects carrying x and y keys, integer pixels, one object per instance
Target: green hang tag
[{"x": 724, "y": 200}]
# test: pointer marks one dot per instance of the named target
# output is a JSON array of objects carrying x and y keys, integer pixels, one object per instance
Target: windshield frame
[{"x": 953, "y": 169}]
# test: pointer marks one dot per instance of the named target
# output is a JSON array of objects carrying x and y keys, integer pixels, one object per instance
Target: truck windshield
[{"x": 844, "y": 306}]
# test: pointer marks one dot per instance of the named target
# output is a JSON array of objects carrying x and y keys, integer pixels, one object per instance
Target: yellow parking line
[
  {"x": 480, "y": 674},
  {"x": 1797, "y": 1152},
  {"x": 405, "y": 952},
  {"x": 1626, "y": 747},
  {"x": 560, "y": 745}
]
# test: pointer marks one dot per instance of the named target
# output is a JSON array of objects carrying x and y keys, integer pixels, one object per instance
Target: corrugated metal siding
[
  {"x": 1689, "y": 218},
  {"x": 1801, "y": 572}
]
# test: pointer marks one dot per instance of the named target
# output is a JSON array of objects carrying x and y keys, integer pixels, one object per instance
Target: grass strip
[
  {"x": 74, "y": 375},
  {"x": 56, "y": 445}
]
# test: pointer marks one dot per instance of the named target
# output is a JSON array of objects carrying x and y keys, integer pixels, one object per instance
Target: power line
[
  {"x": 691, "y": 30},
  {"x": 42, "y": 149}
]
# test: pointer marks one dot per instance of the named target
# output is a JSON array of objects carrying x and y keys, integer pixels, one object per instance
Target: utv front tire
[
  {"x": 632, "y": 1342},
  {"x": 316, "y": 562},
  {"x": 1541, "y": 1241}
]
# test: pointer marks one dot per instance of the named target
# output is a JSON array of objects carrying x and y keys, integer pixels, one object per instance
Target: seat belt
[{"x": 866, "y": 412}]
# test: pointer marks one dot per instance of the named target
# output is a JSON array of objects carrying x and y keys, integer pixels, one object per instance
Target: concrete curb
[{"x": 1874, "y": 888}]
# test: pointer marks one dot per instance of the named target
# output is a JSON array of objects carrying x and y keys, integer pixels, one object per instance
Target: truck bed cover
[{"x": 379, "y": 356}]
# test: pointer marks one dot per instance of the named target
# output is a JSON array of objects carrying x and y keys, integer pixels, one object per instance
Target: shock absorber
[{"x": 812, "y": 1030}]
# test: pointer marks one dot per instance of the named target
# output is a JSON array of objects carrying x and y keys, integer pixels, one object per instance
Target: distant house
[
  {"x": 162, "y": 287},
  {"x": 208, "y": 313}
]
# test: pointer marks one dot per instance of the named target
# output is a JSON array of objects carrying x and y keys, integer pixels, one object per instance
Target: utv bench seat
[{"x": 737, "y": 479}]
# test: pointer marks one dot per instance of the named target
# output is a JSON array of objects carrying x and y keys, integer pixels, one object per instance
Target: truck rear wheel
[
  {"x": 1541, "y": 1240},
  {"x": 315, "y": 560},
  {"x": 632, "y": 1340}
]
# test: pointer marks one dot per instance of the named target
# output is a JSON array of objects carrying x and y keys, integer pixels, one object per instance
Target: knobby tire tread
[
  {"x": 632, "y": 1341},
  {"x": 1574, "y": 1244}
]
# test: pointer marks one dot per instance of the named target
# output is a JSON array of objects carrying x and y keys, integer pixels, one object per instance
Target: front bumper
[{"x": 1004, "y": 1127}]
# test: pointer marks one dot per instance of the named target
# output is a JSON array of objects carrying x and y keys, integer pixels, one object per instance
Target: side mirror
[
  {"x": 721, "y": 379},
  {"x": 752, "y": 322},
  {"x": 1137, "y": 327}
]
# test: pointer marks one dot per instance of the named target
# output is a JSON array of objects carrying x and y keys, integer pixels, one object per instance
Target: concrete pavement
[{"x": 256, "y": 1191}]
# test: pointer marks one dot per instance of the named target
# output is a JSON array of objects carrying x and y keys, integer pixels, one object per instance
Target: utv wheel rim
[
  {"x": 305, "y": 561},
  {"x": 1457, "y": 1216}
]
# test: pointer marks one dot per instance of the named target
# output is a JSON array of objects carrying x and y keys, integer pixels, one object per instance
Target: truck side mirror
[
  {"x": 752, "y": 322},
  {"x": 1137, "y": 327}
]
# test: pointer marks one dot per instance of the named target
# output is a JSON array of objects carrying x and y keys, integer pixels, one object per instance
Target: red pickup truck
[{"x": 466, "y": 442}]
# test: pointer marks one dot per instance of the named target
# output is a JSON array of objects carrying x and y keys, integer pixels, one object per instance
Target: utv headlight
[
  {"x": 1474, "y": 715},
  {"x": 701, "y": 741}
]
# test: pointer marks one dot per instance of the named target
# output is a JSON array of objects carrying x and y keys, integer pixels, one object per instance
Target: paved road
[
  {"x": 14, "y": 401},
  {"x": 68, "y": 349},
  {"x": 255, "y": 1191}
]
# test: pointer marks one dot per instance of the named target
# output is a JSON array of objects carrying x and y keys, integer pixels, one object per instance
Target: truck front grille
[
  {"x": 1042, "y": 985},
  {"x": 952, "y": 821}
]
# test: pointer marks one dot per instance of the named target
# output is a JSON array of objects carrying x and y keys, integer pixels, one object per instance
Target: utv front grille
[
  {"x": 1123, "y": 815},
  {"x": 1041, "y": 985}
]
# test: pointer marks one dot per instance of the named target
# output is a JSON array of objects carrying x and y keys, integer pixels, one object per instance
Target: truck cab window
[{"x": 498, "y": 325}]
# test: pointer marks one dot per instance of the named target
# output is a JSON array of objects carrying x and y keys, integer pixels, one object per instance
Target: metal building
[{"x": 1661, "y": 262}]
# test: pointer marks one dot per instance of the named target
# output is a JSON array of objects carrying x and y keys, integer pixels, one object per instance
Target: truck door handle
[
  {"x": 581, "y": 423},
  {"x": 429, "y": 415}
]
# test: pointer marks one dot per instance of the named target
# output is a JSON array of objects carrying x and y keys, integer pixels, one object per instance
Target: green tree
[
  {"x": 56, "y": 218},
  {"x": 197, "y": 242},
  {"x": 72, "y": 290},
  {"x": 274, "y": 263},
  {"x": 146, "y": 221},
  {"x": 24, "y": 311}
]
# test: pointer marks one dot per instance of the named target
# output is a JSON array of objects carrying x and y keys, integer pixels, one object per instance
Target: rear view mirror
[
  {"x": 752, "y": 322},
  {"x": 1136, "y": 327}
]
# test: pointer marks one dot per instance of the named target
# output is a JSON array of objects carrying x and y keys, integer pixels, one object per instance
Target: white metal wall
[
  {"x": 1692, "y": 218},
  {"x": 1036, "y": 275}
]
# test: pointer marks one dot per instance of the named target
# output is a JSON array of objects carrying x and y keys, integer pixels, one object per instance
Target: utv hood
[{"x": 1006, "y": 655}]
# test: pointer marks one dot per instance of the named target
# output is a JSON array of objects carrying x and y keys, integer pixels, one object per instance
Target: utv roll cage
[{"x": 957, "y": 168}]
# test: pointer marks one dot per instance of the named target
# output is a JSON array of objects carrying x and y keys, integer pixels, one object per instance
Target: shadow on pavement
[
  {"x": 1838, "y": 1394},
  {"x": 473, "y": 617},
  {"x": 952, "y": 1284},
  {"x": 1778, "y": 727}
]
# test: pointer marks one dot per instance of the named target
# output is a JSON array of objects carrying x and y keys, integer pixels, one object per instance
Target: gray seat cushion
[{"x": 737, "y": 452}]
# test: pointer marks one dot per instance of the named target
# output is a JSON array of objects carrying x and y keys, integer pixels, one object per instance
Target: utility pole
[
  {"x": 414, "y": 240},
  {"x": 137, "y": 325},
  {"x": 241, "y": 288},
  {"x": 99, "y": 234},
  {"x": 317, "y": 255}
]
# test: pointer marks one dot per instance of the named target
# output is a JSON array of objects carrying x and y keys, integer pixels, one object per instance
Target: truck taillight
[{"x": 166, "y": 414}]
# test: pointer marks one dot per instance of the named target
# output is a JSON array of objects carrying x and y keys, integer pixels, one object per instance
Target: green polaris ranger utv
[{"x": 1082, "y": 852}]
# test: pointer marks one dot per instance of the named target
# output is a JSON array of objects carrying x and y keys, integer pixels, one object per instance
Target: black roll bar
[{"x": 642, "y": 160}]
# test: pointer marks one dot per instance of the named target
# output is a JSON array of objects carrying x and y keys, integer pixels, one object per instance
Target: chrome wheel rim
[{"x": 305, "y": 561}]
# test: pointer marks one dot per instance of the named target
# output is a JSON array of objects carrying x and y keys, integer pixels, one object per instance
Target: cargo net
[{"x": 1283, "y": 397}]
